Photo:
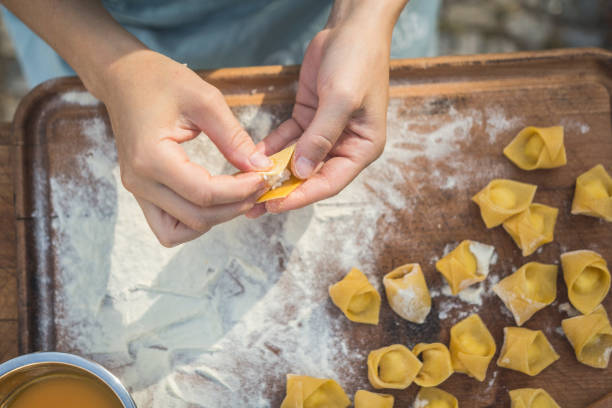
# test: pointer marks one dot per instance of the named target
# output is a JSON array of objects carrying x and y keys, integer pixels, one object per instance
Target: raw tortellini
[
  {"x": 532, "y": 287},
  {"x": 280, "y": 179},
  {"x": 465, "y": 265},
  {"x": 407, "y": 292},
  {"x": 527, "y": 351},
  {"x": 437, "y": 365},
  {"x": 533, "y": 227},
  {"x": 366, "y": 399},
  {"x": 587, "y": 278},
  {"x": 472, "y": 347},
  {"x": 593, "y": 195},
  {"x": 310, "y": 392},
  {"x": 501, "y": 199},
  {"x": 392, "y": 367},
  {"x": 356, "y": 297},
  {"x": 591, "y": 337},
  {"x": 435, "y": 398},
  {"x": 531, "y": 398},
  {"x": 537, "y": 148}
]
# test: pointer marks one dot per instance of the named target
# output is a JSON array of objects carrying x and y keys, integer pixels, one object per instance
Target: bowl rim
[{"x": 91, "y": 367}]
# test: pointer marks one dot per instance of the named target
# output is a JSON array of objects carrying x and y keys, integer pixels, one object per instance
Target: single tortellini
[
  {"x": 367, "y": 399},
  {"x": 533, "y": 227},
  {"x": 532, "y": 287},
  {"x": 356, "y": 297},
  {"x": 407, "y": 292},
  {"x": 392, "y": 367},
  {"x": 587, "y": 278},
  {"x": 311, "y": 392},
  {"x": 593, "y": 195},
  {"x": 501, "y": 199},
  {"x": 465, "y": 265},
  {"x": 531, "y": 398},
  {"x": 527, "y": 351},
  {"x": 435, "y": 398},
  {"x": 437, "y": 365},
  {"x": 279, "y": 178},
  {"x": 591, "y": 337},
  {"x": 537, "y": 148},
  {"x": 472, "y": 347}
]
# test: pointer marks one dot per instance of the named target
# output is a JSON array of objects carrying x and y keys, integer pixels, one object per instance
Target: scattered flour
[
  {"x": 498, "y": 123},
  {"x": 419, "y": 403},
  {"x": 568, "y": 309},
  {"x": 82, "y": 98},
  {"x": 559, "y": 331}
]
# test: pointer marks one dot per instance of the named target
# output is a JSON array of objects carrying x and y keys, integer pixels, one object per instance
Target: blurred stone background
[{"x": 466, "y": 27}]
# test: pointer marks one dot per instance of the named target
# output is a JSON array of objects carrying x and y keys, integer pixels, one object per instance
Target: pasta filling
[
  {"x": 473, "y": 345},
  {"x": 393, "y": 367},
  {"x": 542, "y": 401},
  {"x": 361, "y": 303},
  {"x": 503, "y": 197},
  {"x": 533, "y": 148},
  {"x": 588, "y": 280},
  {"x": 596, "y": 189}
]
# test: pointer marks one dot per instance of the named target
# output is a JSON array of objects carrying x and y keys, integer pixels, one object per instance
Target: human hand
[{"x": 155, "y": 104}]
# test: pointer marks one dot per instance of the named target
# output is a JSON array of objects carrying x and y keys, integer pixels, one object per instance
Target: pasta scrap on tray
[
  {"x": 531, "y": 398},
  {"x": 356, "y": 297},
  {"x": 501, "y": 199},
  {"x": 593, "y": 194},
  {"x": 587, "y": 278},
  {"x": 435, "y": 398},
  {"x": 407, "y": 292},
  {"x": 537, "y": 148},
  {"x": 280, "y": 179},
  {"x": 472, "y": 347},
  {"x": 533, "y": 227},
  {"x": 527, "y": 351},
  {"x": 392, "y": 367},
  {"x": 437, "y": 365},
  {"x": 311, "y": 392},
  {"x": 465, "y": 265},
  {"x": 531, "y": 288},
  {"x": 367, "y": 399},
  {"x": 591, "y": 337}
]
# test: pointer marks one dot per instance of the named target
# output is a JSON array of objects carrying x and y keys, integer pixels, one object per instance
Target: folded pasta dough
[
  {"x": 532, "y": 287},
  {"x": 465, "y": 265},
  {"x": 531, "y": 398},
  {"x": 593, "y": 195},
  {"x": 472, "y": 347},
  {"x": 533, "y": 227},
  {"x": 587, "y": 278},
  {"x": 356, "y": 297},
  {"x": 311, "y": 392},
  {"x": 591, "y": 337},
  {"x": 392, "y": 367},
  {"x": 367, "y": 399},
  {"x": 437, "y": 365},
  {"x": 435, "y": 398},
  {"x": 527, "y": 351},
  {"x": 537, "y": 148},
  {"x": 501, "y": 199},
  {"x": 407, "y": 292},
  {"x": 279, "y": 177}
]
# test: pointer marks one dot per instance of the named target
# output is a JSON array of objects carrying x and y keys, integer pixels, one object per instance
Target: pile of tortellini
[{"x": 532, "y": 287}]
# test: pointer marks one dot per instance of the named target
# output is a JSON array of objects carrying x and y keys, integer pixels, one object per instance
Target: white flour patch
[
  {"x": 82, "y": 98},
  {"x": 498, "y": 124},
  {"x": 568, "y": 309}
]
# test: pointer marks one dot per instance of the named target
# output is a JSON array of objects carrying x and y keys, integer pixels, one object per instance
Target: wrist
[{"x": 381, "y": 15}]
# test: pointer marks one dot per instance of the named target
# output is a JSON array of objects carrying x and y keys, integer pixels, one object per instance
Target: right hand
[{"x": 155, "y": 104}]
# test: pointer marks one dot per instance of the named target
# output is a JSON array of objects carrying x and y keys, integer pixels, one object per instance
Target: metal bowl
[{"x": 17, "y": 373}]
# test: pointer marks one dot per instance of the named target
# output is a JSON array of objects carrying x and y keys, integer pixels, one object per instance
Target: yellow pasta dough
[
  {"x": 531, "y": 398},
  {"x": 437, "y": 365},
  {"x": 587, "y": 278},
  {"x": 532, "y": 287},
  {"x": 435, "y": 398},
  {"x": 537, "y": 148},
  {"x": 501, "y": 199},
  {"x": 533, "y": 227},
  {"x": 366, "y": 399},
  {"x": 356, "y": 297},
  {"x": 280, "y": 178},
  {"x": 591, "y": 337},
  {"x": 465, "y": 265},
  {"x": 593, "y": 195},
  {"x": 311, "y": 392},
  {"x": 407, "y": 292},
  {"x": 392, "y": 367},
  {"x": 472, "y": 347},
  {"x": 527, "y": 351}
]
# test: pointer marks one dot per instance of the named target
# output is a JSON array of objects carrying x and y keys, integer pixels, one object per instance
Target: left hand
[{"x": 339, "y": 117}]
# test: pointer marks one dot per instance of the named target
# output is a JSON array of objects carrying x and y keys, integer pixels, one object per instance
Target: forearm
[
  {"x": 82, "y": 32},
  {"x": 381, "y": 14}
]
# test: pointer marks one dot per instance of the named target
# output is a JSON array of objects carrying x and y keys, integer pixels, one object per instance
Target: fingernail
[
  {"x": 260, "y": 161},
  {"x": 304, "y": 167}
]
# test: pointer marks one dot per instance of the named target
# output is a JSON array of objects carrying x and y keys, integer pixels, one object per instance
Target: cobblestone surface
[{"x": 466, "y": 27}]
